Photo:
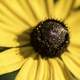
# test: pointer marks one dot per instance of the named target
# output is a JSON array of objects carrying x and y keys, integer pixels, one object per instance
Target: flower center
[{"x": 50, "y": 38}]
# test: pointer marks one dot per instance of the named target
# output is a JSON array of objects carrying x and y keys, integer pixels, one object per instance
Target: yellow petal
[
  {"x": 59, "y": 73},
  {"x": 8, "y": 16},
  {"x": 39, "y": 8},
  {"x": 72, "y": 63},
  {"x": 17, "y": 9},
  {"x": 77, "y": 3},
  {"x": 8, "y": 39},
  {"x": 13, "y": 34},
  {"x": 71, "y": 77},
  {"x": 73, "y": 49},
  {"x": 10, "y": 60},
  {"x": 14, "y": 29},
  {"x": 73, "y": 22},
  {"x": 51, "y": 70},
  {"x": 28, "y": 10},
  {"x": 62, "y": 9},
  {"x": 43, "y": 70},
  {"x": 46, "y": 70},
  {"x": 76, "y": 59},
  {"x": 40, "y": 71},
  {"x": 10, "y": 22},
  {"x": 66, "y": 72},
  {"x": 50, "y": 8},
  {"x": 28, "y": 71}
]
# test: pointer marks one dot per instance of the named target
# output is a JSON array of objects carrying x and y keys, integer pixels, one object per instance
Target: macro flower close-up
[{"x": 40, "y": 39}]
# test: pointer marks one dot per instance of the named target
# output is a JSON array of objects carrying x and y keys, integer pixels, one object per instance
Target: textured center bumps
[{"x": 50, "y": 38}]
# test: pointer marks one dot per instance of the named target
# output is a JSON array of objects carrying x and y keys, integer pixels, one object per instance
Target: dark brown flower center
[{"x": 50, "y": 38}]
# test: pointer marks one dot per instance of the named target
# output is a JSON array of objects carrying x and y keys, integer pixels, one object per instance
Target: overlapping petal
[
  {"x": 12, "y": 59},
  {"x": 28, "y": 71},
  {"x": 73, "y": 22},
  {"x": 15, "y": 7},
  {"x": 77, "y": 4},
  {"x": 59, "y": 72},
  {"x": 8, "y": 39},
  {"x": 39, "y": 8},
  {"x": 50, "y": 8},
  {"x": 72, "y": 63},
  {"x": 43, "y": 70},
  {"x": 62, "y": 9}
]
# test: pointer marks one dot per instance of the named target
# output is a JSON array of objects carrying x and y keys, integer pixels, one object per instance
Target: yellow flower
[{"x": 20, "y": 20}]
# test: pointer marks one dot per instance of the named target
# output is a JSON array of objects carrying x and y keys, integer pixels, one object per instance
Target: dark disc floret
[{"x": 50, "y": 38}]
